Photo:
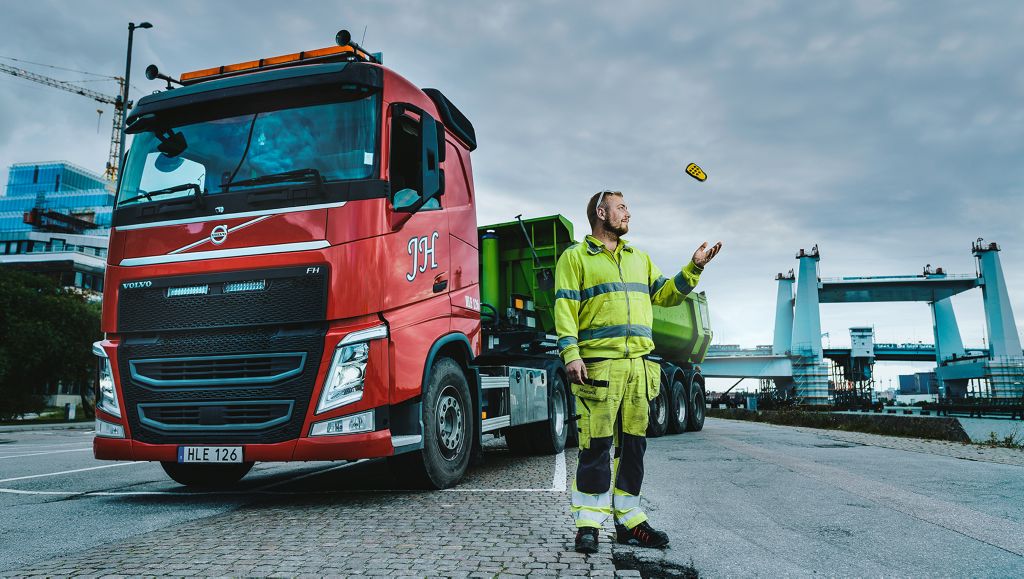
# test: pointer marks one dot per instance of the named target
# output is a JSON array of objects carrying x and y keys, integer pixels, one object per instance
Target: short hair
[{"x": 592, "y": 205}]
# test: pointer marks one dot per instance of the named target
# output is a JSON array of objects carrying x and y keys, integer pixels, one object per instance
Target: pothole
[{"x": 628, "y": 561}]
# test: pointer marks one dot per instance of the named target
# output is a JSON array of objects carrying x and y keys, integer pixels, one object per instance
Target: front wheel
[
  {"x": 447, "y": 430},
  {"x": 210, "y": 476}
]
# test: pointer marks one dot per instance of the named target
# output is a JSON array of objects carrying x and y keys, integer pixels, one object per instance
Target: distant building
[
  {"x": 919, "y": 383},
  {"x": 55, "y": 220}
]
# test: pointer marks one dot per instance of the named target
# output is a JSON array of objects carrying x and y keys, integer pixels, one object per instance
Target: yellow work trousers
[{"x": 613, "y": 408}]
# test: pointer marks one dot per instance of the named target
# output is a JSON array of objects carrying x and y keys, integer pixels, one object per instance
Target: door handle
[{"x": 441, "y": 282}]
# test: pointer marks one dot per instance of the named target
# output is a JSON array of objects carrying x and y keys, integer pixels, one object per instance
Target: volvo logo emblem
[{"x": 219, "y": 234}]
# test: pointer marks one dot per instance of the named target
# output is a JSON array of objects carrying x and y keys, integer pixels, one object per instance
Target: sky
[{"x": 890, "y": 134}]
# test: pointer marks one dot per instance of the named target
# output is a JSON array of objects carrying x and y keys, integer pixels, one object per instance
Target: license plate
[{"x": 209, "y": 454}]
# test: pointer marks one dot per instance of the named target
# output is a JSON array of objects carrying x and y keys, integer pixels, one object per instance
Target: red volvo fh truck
[{"x": 294, "y": 274}]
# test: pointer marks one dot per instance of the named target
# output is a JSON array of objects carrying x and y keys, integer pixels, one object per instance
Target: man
[{"x": 603, "y": 316}]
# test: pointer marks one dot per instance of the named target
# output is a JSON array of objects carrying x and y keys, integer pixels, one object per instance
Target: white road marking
[
  {"x": 460, "y": 490},
  {"x": 48, "y": 452},
  {"x": 260, "y": 490},
  {"x": 558, "y": 484},
  {"x": 6, "y": 480}
]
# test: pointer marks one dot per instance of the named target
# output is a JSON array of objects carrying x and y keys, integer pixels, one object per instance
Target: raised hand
[{"x": 702, "y": 256}]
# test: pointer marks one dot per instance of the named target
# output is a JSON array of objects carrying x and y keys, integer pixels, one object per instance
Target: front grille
[
  {"x": 217, "y": 370},
  {"x": 215, "y": 416},
  {"x": 236, "y": 299},
  {"x": 194, "y": 349}
]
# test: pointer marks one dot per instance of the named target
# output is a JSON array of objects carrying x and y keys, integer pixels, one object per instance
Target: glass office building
[{"x": 55, "y": 220}]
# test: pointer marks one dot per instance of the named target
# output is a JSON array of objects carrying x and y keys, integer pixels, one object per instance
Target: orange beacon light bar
[{"x": 331, "y": 53}]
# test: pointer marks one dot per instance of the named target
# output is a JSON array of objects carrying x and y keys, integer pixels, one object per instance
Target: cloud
[{"x": 889, "y": 133}]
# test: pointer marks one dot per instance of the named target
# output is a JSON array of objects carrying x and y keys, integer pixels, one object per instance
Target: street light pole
[{"x": 124, "y": 98}]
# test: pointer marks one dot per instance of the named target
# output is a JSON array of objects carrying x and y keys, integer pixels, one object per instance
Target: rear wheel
[
  {"x": 678, "y": 407},
  {"x": 447, "y": 430},
  {"x": 549, "y": 437},
  {"x": 657, "y": 424},
  {"x": 697, "y": 408},
  {"x": 212, "y": 476}
]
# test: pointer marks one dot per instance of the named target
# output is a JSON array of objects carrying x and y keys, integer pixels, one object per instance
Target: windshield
[{"x": 337, "y": 141}]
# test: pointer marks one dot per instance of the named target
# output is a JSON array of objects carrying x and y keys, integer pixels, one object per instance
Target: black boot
[
  {"x": 642, "y": 535},
  {"x": 586, "y": 540}
]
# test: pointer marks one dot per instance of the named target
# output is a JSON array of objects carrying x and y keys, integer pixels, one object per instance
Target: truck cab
[{"x": 294, "y": 248}]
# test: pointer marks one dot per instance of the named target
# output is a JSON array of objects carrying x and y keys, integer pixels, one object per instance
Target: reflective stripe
[
  {"x": 658, "y": 284},
  {"x": 588, "y": 518},
  {"x": 681, "y": 284},
  {"x": 617, "y": 286},
  {"x": 567, "y": 294},
  {"x": 627, "y": 509},
  {"x": 581, "y": 499},
  {"x": 619, "y": 331},
  {"x": 624, "y": 501},
  {"x": 565, "y": 342},
  {"x": 631, "y": 520}
]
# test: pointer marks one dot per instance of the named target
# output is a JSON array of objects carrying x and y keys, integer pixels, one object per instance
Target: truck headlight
[
  {"x": 346, "y": 376},
  {"x": 106, "y": 393}
]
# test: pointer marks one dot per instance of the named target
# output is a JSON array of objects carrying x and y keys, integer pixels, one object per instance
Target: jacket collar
[{"x": 595, "y": 246}]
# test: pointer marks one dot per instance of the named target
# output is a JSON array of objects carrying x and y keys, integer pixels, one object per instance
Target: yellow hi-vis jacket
[{"x": 603, "y": 299}]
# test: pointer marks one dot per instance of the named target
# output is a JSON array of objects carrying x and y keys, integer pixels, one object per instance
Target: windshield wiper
[
  {"x": 308, "y": 174},
  {"x": 196, "y": 192}
]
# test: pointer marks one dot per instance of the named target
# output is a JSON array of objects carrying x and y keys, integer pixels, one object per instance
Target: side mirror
[
  {"x": 431, "y": 157},
  {"x": 417, "y": 149}
]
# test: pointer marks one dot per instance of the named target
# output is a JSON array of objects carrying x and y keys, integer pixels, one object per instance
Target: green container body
[{"x": 681, "y": 333}]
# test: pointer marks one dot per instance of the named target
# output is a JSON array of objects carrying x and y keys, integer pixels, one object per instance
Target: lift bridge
[{"x": 796, "y": 365}]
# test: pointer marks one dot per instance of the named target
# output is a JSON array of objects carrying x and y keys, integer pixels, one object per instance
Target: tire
[
  {"x": 657, "y": 423},
  {"x": 447, "y": 431},
  {"x": 695, "y": 421},
  {"x": 678, "y": 406},
  {"x": 208, "y": 476},
  {"x": 549, "y": 436}
]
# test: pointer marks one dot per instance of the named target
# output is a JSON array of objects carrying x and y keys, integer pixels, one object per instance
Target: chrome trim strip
[
  {"x": 366, "y": 335},
  {"x": 219, "y": 253},
  {"x": 228, "y": 216},
  {"x": 207, "y": 238},
  {"x": 405, "y": 440},
  {"x": 138, "y": 376},
  {"x": 142, "y": 407}
]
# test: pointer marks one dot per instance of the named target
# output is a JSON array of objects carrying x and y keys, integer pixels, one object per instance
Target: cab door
[{"x": 419, "y": 246}]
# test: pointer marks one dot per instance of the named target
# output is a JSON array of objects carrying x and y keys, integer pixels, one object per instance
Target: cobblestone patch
[
  {"x": 939, "y": 447},
  {"x": 345, "y": 523}
]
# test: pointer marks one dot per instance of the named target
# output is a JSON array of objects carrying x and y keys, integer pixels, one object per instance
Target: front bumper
[{"x": 343, "y": 447}]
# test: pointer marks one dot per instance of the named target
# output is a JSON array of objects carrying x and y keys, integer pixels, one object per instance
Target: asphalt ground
[
  {"x": 64, "y": 513},
  {"x": 738, "y": 499},
  {"x": 749, "y": 499}
]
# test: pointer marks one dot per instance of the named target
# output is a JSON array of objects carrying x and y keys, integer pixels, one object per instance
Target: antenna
[{"x": 363, "y": 39}]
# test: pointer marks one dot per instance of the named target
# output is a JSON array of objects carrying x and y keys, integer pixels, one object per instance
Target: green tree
[{"x": 46, "y": 336}]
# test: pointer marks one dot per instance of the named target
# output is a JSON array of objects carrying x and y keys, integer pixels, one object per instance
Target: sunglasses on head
[{"x": 601, "y": 198}]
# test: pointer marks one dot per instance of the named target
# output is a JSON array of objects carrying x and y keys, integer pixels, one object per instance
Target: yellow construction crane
[{"x": 113, "y": 161}]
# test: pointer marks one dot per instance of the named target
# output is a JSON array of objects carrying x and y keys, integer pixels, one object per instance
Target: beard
[{"x": 621, "y": 229}]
